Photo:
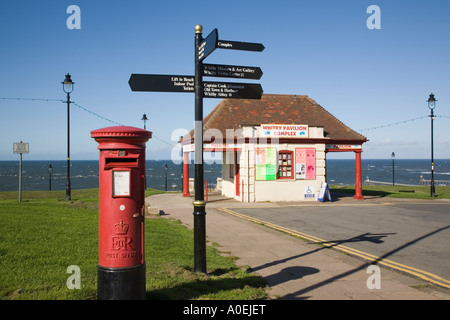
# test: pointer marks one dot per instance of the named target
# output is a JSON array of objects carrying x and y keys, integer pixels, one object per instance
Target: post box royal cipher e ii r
[{"x": 121, "y": 267}]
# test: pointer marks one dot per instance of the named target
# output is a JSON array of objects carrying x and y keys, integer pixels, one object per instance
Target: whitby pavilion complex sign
[{"x": 284, "y": 130}]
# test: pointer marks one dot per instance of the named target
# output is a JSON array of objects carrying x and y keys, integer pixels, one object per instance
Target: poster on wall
[
  {"x": 305, "y": 163},
  {"x": 265, "y": 164}
]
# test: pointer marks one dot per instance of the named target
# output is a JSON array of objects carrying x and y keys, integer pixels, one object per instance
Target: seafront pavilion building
[{"x": 275, "y": 148}]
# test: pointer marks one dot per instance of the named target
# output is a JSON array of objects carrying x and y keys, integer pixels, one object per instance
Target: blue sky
[{"x": 323, "y": 49}]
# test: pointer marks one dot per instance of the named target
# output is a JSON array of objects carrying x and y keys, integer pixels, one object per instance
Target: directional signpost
[
  {"x": 211, "y": 42},
  {"x": 232, "y": 90},
  {"x": 207, "y": 46},
  {"x": 161, "y": 83},
  {"x": 204, "y": 89},
  {"x": 236, "y": 45},
  {"x": 177, "y": 83},
  {"x": 225, "y": 71}
]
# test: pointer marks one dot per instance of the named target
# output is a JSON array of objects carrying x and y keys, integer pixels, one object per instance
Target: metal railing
[
  {"x": 437, "y": 183},
  {"x": 421, "y": 182}
]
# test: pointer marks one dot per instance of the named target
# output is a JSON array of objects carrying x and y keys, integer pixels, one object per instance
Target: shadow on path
[{"x": 287, "y": 273}]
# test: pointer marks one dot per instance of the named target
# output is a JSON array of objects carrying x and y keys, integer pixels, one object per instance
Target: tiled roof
[{"x": 277, "y": 109}]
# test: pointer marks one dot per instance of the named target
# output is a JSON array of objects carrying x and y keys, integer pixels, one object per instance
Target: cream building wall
[{"x": 252, "y": 190}]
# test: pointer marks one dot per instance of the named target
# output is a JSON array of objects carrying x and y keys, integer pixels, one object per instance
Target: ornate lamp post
[
  {"x": 68, "y": 88},
  {"x": 432, "y": 104}
]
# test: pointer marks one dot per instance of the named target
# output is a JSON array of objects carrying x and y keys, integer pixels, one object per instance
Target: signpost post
[
  {"x": 204, "y": 89},
  {"x": 19, "y": 148},
  {"x": 199, "y": 202}
]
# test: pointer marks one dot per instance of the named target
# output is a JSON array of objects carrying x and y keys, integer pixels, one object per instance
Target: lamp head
[
  {"x": 431, "y": 102},
  {"x": 68, "y": 84}
]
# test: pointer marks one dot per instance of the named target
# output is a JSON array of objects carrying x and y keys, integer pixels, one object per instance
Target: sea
[{"x": 84, "y": 173}]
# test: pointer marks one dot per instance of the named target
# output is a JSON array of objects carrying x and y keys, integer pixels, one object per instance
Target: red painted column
[
  {"x": 237, "y": 180},
  {"x": 186, "y": 175},
  {"x": 358, "y": 177}
]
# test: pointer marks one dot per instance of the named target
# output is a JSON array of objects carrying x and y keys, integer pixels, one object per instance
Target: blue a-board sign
[{"x": 324, "y": 192}]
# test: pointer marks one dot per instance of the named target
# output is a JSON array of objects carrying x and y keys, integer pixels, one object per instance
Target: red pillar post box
[{"x": 121, "y": 267}]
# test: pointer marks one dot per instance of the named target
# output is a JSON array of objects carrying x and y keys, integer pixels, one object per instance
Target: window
[{"x": 285, "y": 165}]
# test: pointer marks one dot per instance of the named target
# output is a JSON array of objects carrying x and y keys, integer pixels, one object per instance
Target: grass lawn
[
  {"x": 44, "y": 234},
  {"x": 412, "y": 192}
]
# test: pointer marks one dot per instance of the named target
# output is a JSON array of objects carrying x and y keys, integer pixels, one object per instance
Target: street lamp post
[
  {"x": 431, "y": 105},
  {"x": 50, "y": 170},
  {"x": 165, "y": 177},
  {"x": 68, "y": 88},
  {"x": 393, "y": 175},
  {"x": 144, "y": 118}
]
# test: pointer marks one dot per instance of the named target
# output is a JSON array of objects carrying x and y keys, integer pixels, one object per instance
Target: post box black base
[{"x": 121, "y": 283}]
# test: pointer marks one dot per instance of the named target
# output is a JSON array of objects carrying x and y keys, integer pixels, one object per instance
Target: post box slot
[{"x": 121, "y": 162}]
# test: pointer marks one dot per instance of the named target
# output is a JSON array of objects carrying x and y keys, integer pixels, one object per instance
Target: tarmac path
[
  {"x": 410, "y": 237},
  {"x": 415, "y": 235},
  {"x": 298, "y": 269}
]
